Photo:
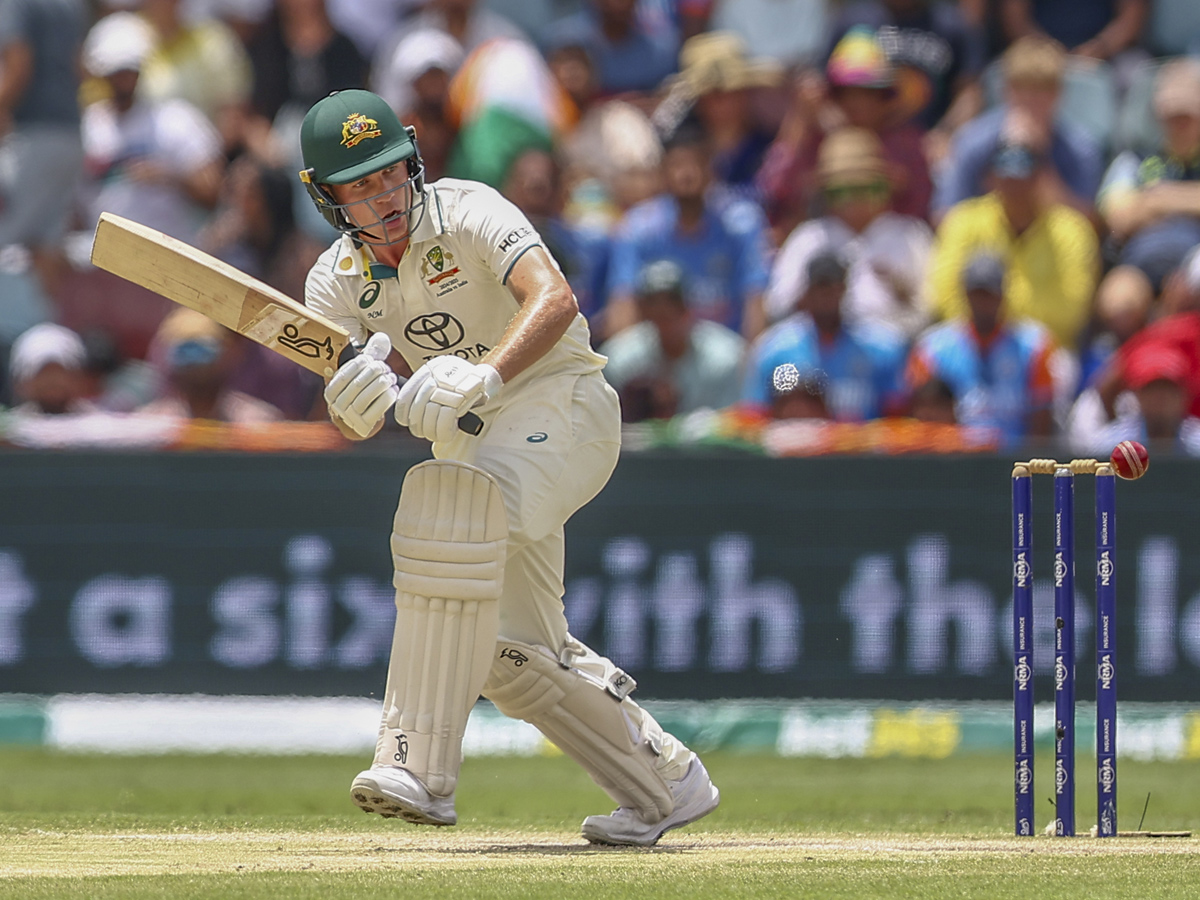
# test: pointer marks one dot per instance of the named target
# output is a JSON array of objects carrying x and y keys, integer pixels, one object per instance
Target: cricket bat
[{"x": 240, "y": 302}]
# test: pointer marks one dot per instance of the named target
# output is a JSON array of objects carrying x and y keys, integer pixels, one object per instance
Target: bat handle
[{"x": 468, "y": 422}]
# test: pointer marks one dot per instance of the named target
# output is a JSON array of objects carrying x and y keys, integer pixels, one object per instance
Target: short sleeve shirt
[
  {"x": 449, "y": 295},
  {"x": 1129, "y": 172},
  {"x": 863, "y": 365},
  {"x": 725, "y": 258},
  {"x": 173, "y": 135},
  {"x": 706, "y": 376},
  {"x": 996, "y": 386},
  {"x": 53, "y": 30}
]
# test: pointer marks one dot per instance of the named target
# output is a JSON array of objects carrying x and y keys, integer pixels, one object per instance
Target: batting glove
[
  {"x": 362, "y": 389},
  {"x": 440, "y": 392}
]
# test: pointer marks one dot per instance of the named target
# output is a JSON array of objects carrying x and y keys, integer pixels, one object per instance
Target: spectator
[
  {"x": 254, "y": 227},
  {"x": 861, "y": 84},
  {"x": 939, "y": 54},
  {"x": 1050, "y": 249},
  {"x": 714, "y": 88},
  {"x": 1100, "y": 30},
  {"x": 255, "y": 230},
  {"x": 798, "y": 396},
  {"x": 1153, "y": 410},
  {"x": 371, "y": 24},
  {"x": 298, "y": 57},
  {"x": 46, "y": 367},
  {"x": 111, "y": 382},
  {"x": 1179, "y": 330},
  {"x": 612, "y": 154},
  {"x": 416, "y": 84},
  {"x": 202, "y": 63},
  {"x": 40, "y": 153},
  {"x": 157, "y": 162},
  {"x": 998, "y": 368},
  {"x": 629, "y": 57},
  {"x": 690, "y": 364},
  {"x": 505, "y": 100},
  {"x": 719, "y": 240},
  {"x": 933, "y": 401},
  {"x": 861, "y": 361},
  {"x": 534, "y": 185},
  {"x": 1152, "y": 205},
  {"x": 470, "y": 23},
  {"x": 1033, "y": 68},
  {"x": 199, "y": 357},
  {"x": 887, "y": 252},
  {"x": 791, "y": 32},
  {"x": 1124, "y": 302}
]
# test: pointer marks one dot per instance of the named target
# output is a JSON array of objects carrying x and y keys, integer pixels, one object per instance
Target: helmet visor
[{"x": 378, "y": 218}]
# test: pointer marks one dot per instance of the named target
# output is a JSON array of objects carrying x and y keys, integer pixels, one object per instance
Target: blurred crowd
[{"x": 979, "y": 216}]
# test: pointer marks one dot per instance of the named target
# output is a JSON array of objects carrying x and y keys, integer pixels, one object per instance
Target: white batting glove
[
  {"x": 440, "y": 392},
  {"x": 361, "y": 391}
]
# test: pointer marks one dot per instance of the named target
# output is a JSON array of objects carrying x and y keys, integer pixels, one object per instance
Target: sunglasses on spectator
[{"x": 872, "y": 190}]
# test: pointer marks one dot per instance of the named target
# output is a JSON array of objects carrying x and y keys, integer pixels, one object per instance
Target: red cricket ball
[{"x": 1130, "y": 460}]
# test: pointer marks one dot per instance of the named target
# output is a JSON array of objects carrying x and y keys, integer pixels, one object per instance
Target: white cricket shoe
[
  {"x": 695, "y": 797},
  {"x": 398, "y": 793}
]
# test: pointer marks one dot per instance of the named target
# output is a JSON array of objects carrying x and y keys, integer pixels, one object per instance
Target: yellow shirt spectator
[
  {"x": 1052, "y": 265},
  {"x": 204, "y": 64}
]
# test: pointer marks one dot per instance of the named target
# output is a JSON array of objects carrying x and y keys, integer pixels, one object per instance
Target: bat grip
[{"x": 468, "y": 422}]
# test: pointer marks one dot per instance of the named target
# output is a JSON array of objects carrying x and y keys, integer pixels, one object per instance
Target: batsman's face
[{"x": 378, "y": 203}]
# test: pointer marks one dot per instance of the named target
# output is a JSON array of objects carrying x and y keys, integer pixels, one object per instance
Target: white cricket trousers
[{"x": 551, "y": 450}]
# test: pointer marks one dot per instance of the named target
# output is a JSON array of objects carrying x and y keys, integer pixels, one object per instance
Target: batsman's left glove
[{"x": 363, "y": 388}]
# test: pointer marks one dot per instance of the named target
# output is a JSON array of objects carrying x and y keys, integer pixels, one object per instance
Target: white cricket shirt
[{"x": 449, "y": 294}]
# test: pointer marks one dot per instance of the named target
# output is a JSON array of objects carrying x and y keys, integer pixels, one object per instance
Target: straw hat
[
  {"x": 850, "y": 156},
  {"x": 716, "y": 61}
]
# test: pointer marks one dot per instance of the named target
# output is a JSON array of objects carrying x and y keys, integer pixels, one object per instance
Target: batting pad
[
  {"x": 448, "y": 546},
  {"x": 588, "y": 715}
]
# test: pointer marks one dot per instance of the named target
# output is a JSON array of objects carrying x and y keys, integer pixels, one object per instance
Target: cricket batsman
[{"x": 449, "y": 284}]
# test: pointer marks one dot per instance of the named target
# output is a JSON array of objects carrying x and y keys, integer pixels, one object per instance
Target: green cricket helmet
[{"x": 347, "y": 136}]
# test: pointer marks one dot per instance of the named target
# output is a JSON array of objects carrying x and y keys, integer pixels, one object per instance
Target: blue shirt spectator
[
  {"x": 862, "y": 364},
  {"x": 628, "y": 55},
  {"x": 1034, "y": 69},
  {"x": 1101, "y": 29},
  {"x": 1072, "y": 154},
  {"x": 719, "y": 239},
  {"x": 724, "y": 255},
  {"x": 999, "y": 371}
]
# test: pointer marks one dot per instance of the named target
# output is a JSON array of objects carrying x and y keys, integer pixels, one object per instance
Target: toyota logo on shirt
[{"x": 434, "y": 331}]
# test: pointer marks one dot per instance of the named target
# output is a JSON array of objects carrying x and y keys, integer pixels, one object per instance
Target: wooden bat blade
[{"x": 240, "y": 302}]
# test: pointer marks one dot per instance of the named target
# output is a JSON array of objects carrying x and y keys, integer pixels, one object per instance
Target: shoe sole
[
  {"x": 608, "y": 841},
  {"x": 368, "y": 797}
]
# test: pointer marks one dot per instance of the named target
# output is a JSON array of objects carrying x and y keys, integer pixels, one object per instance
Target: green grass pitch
[{"x": 84, "y": 826}]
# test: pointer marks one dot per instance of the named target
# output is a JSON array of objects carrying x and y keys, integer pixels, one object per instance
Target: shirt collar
[{"x": 356, "y": 259}]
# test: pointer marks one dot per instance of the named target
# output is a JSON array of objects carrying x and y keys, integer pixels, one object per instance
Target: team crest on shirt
[
  {"x": 358, "y": 127},
  {"x": 438, "y": 269}
]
